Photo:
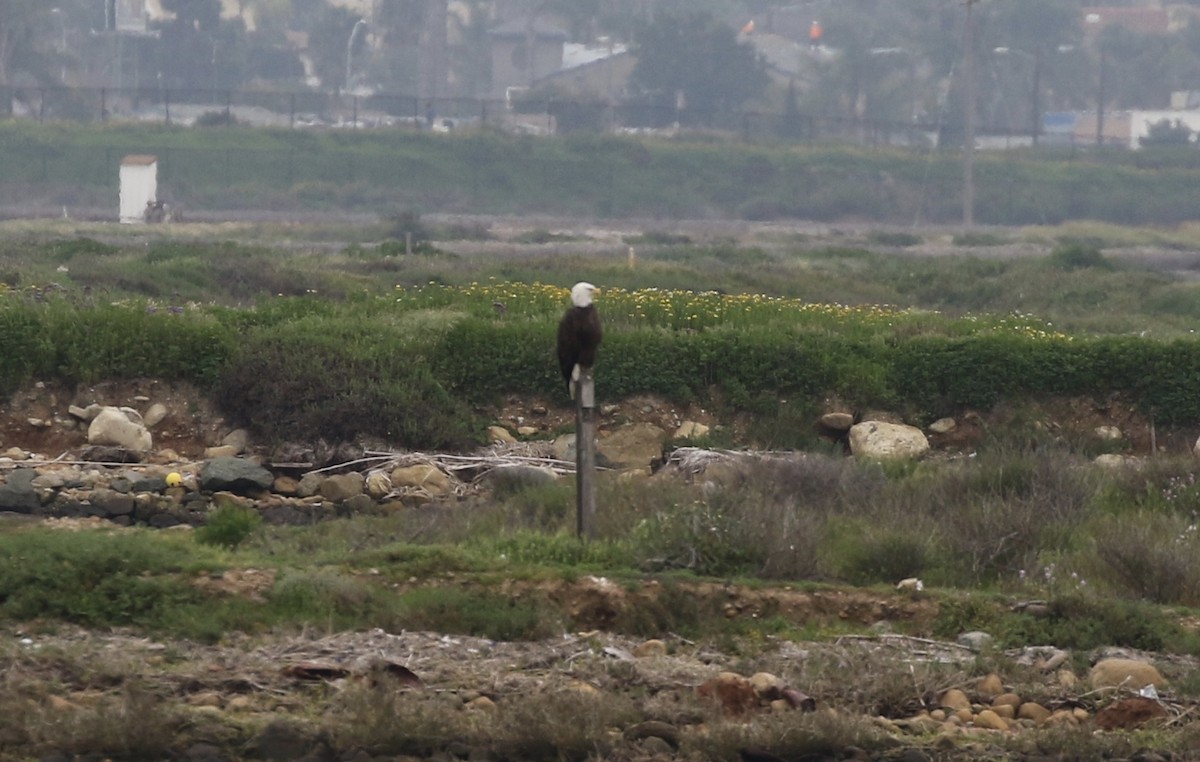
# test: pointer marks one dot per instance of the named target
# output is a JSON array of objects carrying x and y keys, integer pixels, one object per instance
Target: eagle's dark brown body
[{"x": 579, "y": 334}]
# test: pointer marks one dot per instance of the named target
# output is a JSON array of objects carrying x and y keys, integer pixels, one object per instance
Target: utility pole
[{"x": 968, "y": 73}]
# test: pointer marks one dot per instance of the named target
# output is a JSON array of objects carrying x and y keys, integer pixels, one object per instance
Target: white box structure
[{"x": 139, "y": 186}]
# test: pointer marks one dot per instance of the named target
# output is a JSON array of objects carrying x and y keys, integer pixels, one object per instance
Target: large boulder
[
  {"x": 882, "y": 441},
  {"x": 17, "y": 493},
  {"x": 120, "y": 427},
  {"x": 236, "y": 475},
  {"x": 1133, "y": 674},
  {"x": 633, "y": 446}
]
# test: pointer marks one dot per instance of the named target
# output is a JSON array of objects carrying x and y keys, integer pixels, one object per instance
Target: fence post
[{"x": 585, "y": 454}]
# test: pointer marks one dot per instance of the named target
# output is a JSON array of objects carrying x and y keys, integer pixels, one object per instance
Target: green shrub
[
  {"x": 339, "y": 381},
  {"x": 894, "y": 238},
  {"x": 869, "y": 554},
  {"x": 92, "y": 579},
  {"x": 1077, "y": 256},
  {"x": 229, "y": 526},
  {"x": 1082, "y": 622}
]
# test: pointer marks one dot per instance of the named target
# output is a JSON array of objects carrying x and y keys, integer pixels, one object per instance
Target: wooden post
[{"x": 585, "y": 454}]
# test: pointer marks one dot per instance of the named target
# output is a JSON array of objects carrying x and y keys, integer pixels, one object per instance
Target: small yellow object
[{"x": 174, "y": 479}]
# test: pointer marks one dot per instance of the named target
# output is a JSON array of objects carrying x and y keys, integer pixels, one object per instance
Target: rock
[
  {"x": 16, "y": 453},
  {"x": 1033, "y": 711},
  {"x": 527, "y": 431},
  {"x": 309, "y": 484},
  {"x": 361, "y": 503},
  {"x": 236, "y": 475},
  {"x": 1011, "y": 700},
  {"x": 1067, "y": 679},
  {"x": 285, "y": 485},
  {"x": 378, "y": 484},
  {"x": 1125, "y": 673},
  {"x": 766, "y": 685},
  {"x": 690, "y": 430},
  {"x": 1129, "y": 713},
  {"x": 650, "y": 649},
  {"x": 990, "y": 685},
  {"x": 975, "y": 640},
  {"x": 220, "y": 451},
  {"x": 1114, "y": 461},
  {"x": 155, "y": 415},
  {"x": 564, "y": 448},
  {"x": 17, "y": 492},
  {"x": 500, "y": 435},
  {"x": 635, "y": 445},
  {"x": 835, "y": 423},
  {"x": 111, "y": 503},
  {"x": 1108, "y": 433},
  {"x": 954, "y": 700},
  {"x": 882, "y": 440},
  {"x": 238, "y": 439},
  {"x": 943, "y": 426},
  {"x": 109, "y": 454},
  {"x": 653, "y": 729},
  {"x": 120, "y": 427},
  {"x": 340, "y": 487},
  {"x": 990, "y": 720},
  {"x": 422, "y": 476}
]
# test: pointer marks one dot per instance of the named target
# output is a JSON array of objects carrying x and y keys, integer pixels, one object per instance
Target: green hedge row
[{"x": 341, "y": 376}]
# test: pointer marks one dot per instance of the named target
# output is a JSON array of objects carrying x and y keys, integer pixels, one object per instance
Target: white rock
[
  {"x": 1108, "y": 433},
  {"x": 155, "y": 414},
  {"x": 943, "y": 426},
  {"x": 882, "y": 440},
  {"x": 120, "y": 427}
]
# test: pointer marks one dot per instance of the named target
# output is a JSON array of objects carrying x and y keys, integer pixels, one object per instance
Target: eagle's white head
[{"x": 581, "y": 294}]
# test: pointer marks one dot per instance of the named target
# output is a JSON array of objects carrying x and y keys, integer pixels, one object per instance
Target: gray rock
[
  {"x": 236, "y": 475},
  {"x": 975, "y": 640},
  {"x": 18, "y": 493},
  {"x": 109, "y": 454},
  {"x": 111, "y": 503}
]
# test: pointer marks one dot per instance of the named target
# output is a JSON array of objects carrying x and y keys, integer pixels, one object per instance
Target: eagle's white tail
[{"x": 574, "y": 379}]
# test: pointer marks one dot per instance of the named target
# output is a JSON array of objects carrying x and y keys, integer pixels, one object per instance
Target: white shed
[{"x": 139, "y": 186}]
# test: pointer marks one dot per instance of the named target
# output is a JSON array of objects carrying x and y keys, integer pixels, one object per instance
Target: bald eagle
[{"x": 579, "y": 334}]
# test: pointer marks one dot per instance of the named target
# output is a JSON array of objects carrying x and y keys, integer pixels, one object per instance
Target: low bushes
[{"x": 408, "y": 371}]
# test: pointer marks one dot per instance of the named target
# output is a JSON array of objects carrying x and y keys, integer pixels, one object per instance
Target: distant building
[
  {"x": 597, "y": 70},
  {"x": 523, "y": 52}
]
